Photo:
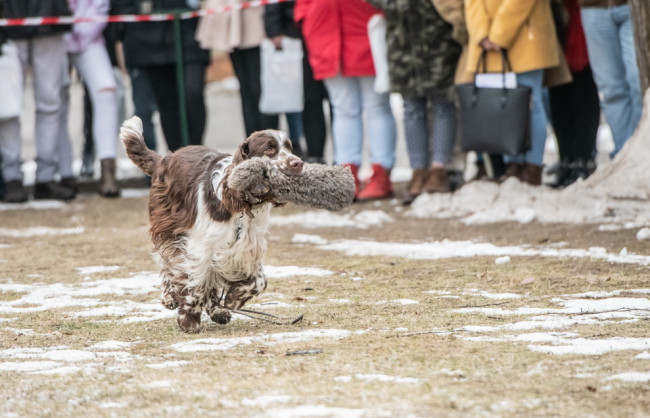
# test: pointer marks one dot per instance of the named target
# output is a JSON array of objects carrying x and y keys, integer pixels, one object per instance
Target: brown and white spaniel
[{"x": 209, "y": 239}]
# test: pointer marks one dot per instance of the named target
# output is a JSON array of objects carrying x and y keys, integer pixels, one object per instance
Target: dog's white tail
[{"x": 133, "y": 140}]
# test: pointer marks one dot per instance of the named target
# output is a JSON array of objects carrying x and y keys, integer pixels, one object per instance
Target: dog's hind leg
[{"x": 212, "y": 308}]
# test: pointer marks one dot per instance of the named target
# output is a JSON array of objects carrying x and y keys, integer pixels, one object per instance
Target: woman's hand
[{"x": 488, "y": 45}]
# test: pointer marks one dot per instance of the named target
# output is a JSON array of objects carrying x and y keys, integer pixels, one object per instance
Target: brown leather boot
[
  {"x": 107, "y": 183},
  {"x": 416, "y": 184},
  {"x": 437, "y": 181},
  {"x": 532, "y": 174},
  {"x": 513, "y": 170}
]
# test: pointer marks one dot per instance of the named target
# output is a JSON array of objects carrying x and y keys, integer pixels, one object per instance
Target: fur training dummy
[{"x": 318, "y": 186}]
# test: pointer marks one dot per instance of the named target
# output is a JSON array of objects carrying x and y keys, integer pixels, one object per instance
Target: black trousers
[
  {"x": 313, "y": 117},
  {"x": 575, "y": 115},
  {"x": 246, "y": 63},
  {"x": 163, "y": 81}
]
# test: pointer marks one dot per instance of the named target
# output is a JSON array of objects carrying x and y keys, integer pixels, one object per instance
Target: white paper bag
[
  {"x": 11, "y": 82},
  {"x": 281, "y": 72},
  {"x": 495, "y": 80},
  {"x": 377, "y": 37}
]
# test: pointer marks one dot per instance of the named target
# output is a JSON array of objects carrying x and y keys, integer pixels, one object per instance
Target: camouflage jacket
[{"x": 422, "y": 54}]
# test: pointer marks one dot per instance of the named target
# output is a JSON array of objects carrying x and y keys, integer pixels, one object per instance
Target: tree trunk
[{"x": 640, "y": 12}]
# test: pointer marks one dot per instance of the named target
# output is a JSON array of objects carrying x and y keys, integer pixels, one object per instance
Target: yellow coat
[{"x": 524, "y": 27}]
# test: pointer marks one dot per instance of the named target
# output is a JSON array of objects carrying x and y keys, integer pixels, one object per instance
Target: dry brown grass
[{"x": 455, "y": 376}]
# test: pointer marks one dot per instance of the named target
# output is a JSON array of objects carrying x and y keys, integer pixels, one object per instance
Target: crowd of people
[{"x": 577, "y": 57}]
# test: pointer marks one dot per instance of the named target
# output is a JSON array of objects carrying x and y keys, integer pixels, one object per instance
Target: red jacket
[{"x": 336, "y": 34}]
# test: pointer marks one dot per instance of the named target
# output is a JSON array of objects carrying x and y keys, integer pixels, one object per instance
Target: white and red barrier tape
[{"x": 154, "y": 17}]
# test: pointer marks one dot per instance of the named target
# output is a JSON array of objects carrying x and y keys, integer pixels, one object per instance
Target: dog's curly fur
[{"x": 210, "y": 239}]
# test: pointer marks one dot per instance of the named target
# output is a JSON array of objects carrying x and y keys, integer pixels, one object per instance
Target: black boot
[{"x": 53, "y": 190}]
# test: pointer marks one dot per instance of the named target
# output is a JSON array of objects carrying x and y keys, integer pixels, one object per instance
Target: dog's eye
[{"x": 269, "y": 151}]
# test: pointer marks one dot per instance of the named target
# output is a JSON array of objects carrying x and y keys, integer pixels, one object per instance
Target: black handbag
[{"x": 494, "y": 120}]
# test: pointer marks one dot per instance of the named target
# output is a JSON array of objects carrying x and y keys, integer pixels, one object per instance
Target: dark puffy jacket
[
  {"x": 422, "y": 55},
  {"x": 278, "y": 20},
  {"x": 152, "y": 43},
  {"x": 33, "y": 8}
]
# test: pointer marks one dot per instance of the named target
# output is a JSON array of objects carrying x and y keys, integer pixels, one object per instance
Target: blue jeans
[
  {"x": 610, "y": 42},
  {"x": 538, "y": 121},
  {"x": 294, "y": 122},
  {"x": 351, "y": 98}
]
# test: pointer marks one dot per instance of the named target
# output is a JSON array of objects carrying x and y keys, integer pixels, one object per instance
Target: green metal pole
[{"x": 180, "y": 81}]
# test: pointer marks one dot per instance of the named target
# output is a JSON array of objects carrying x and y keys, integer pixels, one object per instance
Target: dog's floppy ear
[{"x": 242, "y": 153}]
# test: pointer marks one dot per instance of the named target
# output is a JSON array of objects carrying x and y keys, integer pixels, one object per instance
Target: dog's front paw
[{"x": 190, "y": 323}]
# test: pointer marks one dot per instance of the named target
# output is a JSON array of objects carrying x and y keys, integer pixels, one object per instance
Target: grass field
[{"x": 403, "y": 317}]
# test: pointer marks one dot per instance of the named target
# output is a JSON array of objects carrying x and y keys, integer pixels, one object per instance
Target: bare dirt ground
[{"x": 395, "y": 334}]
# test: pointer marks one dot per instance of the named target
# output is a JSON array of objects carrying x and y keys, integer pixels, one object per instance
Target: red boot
[
  {"x": 354, "y": 169},
  {"x": 379, "y": 185}
]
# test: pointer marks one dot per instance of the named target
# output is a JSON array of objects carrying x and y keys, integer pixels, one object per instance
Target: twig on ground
[{"x": 304, "y": 352}]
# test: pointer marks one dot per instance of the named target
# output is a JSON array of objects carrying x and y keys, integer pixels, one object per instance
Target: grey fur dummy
[{"x": 319, "y": 186}]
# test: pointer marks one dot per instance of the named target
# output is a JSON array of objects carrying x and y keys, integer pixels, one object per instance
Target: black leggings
[
  {"x": 163, "y": 81},
  {"x": 246, "y": 64},
  {"x": 575, "y": 115}
]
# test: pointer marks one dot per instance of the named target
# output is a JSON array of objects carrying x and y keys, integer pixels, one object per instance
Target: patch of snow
[
  {"x": 291, "y": 271},
  {"x": 40, "y": 231},
  {"x": 631, "y": 377},
  {"x": 265, "y": 401},
  {"x": 108, "y": 405},
  {"x": 448, "y": 249},
  {"x": 308, "y": 239},
  {"x": 28, "y": 366},
  {"x": 586, "y": 346},
  {"x": 96, "y": 269},
  {"x": 502, "y": 260},
  {"x": 168, "y": 364},
  {"x": 221, "y": 344},
  {"x": 339, "y": 300},
  {"x": 643, "y": 234},
  {"x": 384, "y": 378},
  {"x": 134, "y": 193},
  {"x": 33, "y": 204},
  {"x": 404, "y": 302},
  {"x": 111, "y": 345},
  {"x": 643, "y": 356},
  {"x": 325, "y": 219},
  {"x": 158, "y": 384},
  {"x": 313, "y": 411},
  {"x": 42, "y": 297}
]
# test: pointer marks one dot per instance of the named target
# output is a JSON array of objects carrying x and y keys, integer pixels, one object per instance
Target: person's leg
[
  {"x": 65, "y": 143},
  {"x": 163, "y": 81},
  {"x": 347, "y": 128},
  {"x": 621, "y": 15},
  {"x": 382, "y": 132},
  {"x": 294, "y": 120},
  {"x": 144, "y": 103},
  {"x": 443, "y": 131},
  {"x": 10, "y": 148},
  {"x": 313, "y": 116},
  {"x": 538, "y": 121},
  {"x": 194, "y": 86},
  {"x": 49, "y": 64},
  {"x": 246, "y": 64},
  {"x": 95, "y": 68},
  {"x": 606, "y": 57},
  {"x": 417, "y": 144},
  {"x": 416, "y": 132}
]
